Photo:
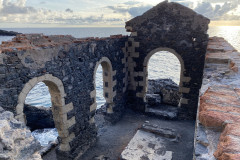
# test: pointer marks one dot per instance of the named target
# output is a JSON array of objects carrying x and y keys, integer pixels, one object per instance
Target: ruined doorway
[
  {"x": 38, "y": 114},
  {"x": 163, "y": 70},
  {"x": 100, "y": 99},
  {"x": 105, "y": 89},
  {"x": 59, "y": 109}
]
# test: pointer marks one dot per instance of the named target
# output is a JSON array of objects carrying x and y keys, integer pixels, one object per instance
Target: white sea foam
[{"x": 45, "y": 136}]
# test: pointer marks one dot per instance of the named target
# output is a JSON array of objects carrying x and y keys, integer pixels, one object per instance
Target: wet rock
[
  {"x": 167, "y": 89},
  {"x": 38, "y": 117}
]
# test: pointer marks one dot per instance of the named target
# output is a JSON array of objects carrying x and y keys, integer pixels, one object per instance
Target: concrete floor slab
[{"x": 145, "y": 145}]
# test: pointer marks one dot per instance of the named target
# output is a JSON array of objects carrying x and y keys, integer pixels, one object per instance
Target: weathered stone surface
[
  {"x": 167, "y": 89},
  {"x": 219, "y": 104},
  {"x": 201, "y": 136},
  {"x": 147, "y": 146},
  {"x": 228, "y": 144},
  {"x": 154, "y": 99},
  {"x": 200, "y": 149},
  {"x": 16, "y": 141},
  {"x": 229, "y": 156},
  {"x": 38, "y": 117},
  {"x": 163, "y": 111},
  {"x": 68, "y": 65},
  {"x": 163, "y": 132},
  {"x": 231, "y": 129},
  {"x": 161, "y": 29}
]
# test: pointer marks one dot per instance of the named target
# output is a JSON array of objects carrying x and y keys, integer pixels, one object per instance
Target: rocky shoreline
[
  {"x": 16, "y": 141},
  {"x": 8, "y": 33}
]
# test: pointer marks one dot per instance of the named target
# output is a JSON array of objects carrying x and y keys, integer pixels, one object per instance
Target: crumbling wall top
[{"x": 40, "y": 41}]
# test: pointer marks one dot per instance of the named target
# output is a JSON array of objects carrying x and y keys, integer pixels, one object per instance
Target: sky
[{"x": 100, "y": 13}]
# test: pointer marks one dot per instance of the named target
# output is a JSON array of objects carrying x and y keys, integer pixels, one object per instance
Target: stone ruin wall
[
  {"x": 178, "y": 30},
  {"x": 68, "y": 65}
]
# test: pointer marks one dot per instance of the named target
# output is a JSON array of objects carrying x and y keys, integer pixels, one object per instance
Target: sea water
[{"x": 161, "y": 64}]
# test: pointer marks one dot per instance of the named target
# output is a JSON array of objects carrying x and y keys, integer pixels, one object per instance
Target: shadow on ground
[{"x": 112, "y": 139}]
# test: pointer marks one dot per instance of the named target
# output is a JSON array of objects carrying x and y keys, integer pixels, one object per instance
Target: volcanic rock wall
[
  {"x": 179, "y": 30},
  {"x": 68, "y": 67}
]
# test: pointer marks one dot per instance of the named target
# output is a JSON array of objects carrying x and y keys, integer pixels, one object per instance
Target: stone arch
[
  {"x": 108, "y": 85},
  {"x": 146, "y": 61},
  {"x": 169, "y": 25},
  {"x": 59, "y": 108}
]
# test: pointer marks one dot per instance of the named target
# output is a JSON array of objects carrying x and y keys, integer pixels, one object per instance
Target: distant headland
[{"x": 8, "y": 33}]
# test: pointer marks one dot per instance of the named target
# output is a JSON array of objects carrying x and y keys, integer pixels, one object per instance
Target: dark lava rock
[
  {"x": 153, "y": 99},
  {"x": 167, "y": 89},
  {"x": 8, "y": 33},
  {"x": 38, "y": 117}
]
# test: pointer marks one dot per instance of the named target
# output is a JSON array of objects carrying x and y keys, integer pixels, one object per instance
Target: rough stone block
[{"x": 230, "y": 144}]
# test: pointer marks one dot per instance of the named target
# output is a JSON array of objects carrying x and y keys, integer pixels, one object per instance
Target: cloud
[
  {"x": 18, "y": 11},
  {"x": 217, "y": 12},
  {"x": 188, "y": 4},
  {"x": 42, "y": 2},
  {"x": 69, "y": 10},
  {"x": 8, "y": 7},
  {"x": 131, "y": 7},
  {"x": 220, "y": 1},
  {"x": 12, "y": 11},
  {"x": 136, "y": 11}
]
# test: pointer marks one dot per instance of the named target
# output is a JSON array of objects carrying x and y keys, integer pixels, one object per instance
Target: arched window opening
[
  {"x": 164, "y": 65},
  {"x": 38, "y": 114},
  {"x": 100, "y": 100},
  {"x": 164, "y": 72},
  {"x": 103, "y": 88}
]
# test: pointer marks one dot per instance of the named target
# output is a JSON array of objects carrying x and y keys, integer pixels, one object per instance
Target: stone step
[{"x": 163, "y": 111}]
